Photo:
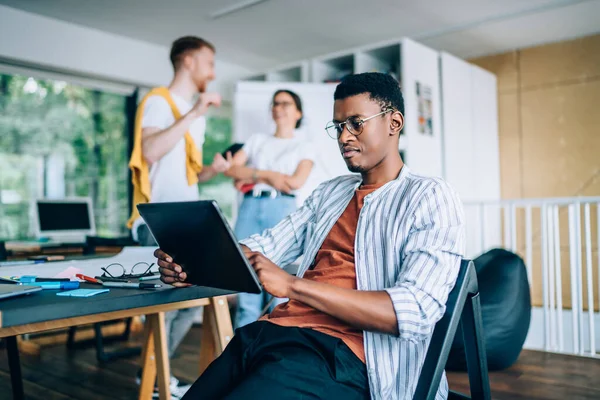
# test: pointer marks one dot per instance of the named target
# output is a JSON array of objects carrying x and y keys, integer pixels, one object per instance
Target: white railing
[{"x": 557, "y": 239}]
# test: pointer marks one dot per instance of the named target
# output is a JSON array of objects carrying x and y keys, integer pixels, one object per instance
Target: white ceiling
[{"x": 276, "y": 32}]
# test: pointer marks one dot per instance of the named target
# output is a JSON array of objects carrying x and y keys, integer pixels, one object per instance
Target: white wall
[{"x": 50, "y": 43}]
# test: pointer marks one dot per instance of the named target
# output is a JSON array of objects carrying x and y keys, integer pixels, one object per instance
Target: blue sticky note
[{"x": 82, "y": 292}]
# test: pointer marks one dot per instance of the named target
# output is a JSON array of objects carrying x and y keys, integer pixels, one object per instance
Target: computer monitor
[{"x": 67, "y": 220}]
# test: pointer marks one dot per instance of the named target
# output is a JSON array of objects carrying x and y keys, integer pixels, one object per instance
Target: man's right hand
[
  {"x": 204, "y": 101},
  {"x": 221, "y": 164},
  {"x": 170, "y": 272}
]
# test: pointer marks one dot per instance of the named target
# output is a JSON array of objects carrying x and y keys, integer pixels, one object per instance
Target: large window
[
  {"x": 221, "y": 189},
  {"x": 58, "y": 140}
]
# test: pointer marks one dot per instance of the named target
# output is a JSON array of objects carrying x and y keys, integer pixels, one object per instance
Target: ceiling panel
[
  {"x": 532, "y": 29},
  {"x": 279, "y": 31}
]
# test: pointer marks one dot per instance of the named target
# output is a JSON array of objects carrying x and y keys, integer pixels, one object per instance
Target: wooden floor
[
  {"x": 539, "y": 375},
  {"x": 61, "y": 374}
]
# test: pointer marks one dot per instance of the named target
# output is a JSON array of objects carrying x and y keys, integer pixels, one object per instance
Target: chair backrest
[{"x": 445, "y": 330}]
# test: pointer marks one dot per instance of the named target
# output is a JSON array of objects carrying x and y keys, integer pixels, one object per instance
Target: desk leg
[
  {"x": 148, "y": 362},
  {"x": 162, "y": 355},
  {"x": 14, "y": 365},
  {"x": 155, "y": 359},
  {"x": 216, "y": 331}
]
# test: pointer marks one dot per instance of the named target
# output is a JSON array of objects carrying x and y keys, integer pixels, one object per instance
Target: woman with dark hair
[{"x": 277, "y": 165}]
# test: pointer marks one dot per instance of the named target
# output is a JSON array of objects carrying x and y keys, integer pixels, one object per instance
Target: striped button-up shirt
[{"x": 409, "y": 242}]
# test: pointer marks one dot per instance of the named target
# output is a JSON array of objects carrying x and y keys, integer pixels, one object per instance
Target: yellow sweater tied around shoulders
[{"x": 140, "y": 172}]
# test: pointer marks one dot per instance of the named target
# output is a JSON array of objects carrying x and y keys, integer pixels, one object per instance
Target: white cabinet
[
  {"x": 458, "y": 146},
  {"x": 470, "y": 146},
  {"x": 470, "y": 124},
  {"x": 486, "y": 156}
]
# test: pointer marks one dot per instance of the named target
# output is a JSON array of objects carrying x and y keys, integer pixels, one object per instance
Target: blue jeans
[{"x": 257, "y": 214}]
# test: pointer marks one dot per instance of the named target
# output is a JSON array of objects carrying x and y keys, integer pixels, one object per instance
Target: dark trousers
[{"x": 267, "y": 361}]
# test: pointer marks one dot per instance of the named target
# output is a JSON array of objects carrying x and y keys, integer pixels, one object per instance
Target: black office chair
[{"x": 462, "y": 306}]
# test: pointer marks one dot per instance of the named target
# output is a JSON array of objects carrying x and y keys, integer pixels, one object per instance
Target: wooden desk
[{"x": 45, "y": 310}]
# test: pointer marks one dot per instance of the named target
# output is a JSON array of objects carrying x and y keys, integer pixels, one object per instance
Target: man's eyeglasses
[
  {"x": 116, "y": 270},
  {"x": 353, "y": 124}
]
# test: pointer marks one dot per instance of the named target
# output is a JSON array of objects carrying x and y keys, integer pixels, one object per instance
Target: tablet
[
  {"x": 7, "y": 290},
  {"x": 198, "y": 237}
]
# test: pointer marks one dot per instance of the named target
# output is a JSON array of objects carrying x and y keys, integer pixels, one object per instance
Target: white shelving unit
[
  {"x": 286, "y": 75},
  {"x": 256, "y": 78},
  {"x": 333, "y": 69},
  {"x": 379, "y": 59},
  {"x": 291, "y": 73}
]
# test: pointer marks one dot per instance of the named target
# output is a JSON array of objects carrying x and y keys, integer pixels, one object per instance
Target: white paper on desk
[
  {"x": 90, "y": 266},
  {"x": 69, "y": 273}
]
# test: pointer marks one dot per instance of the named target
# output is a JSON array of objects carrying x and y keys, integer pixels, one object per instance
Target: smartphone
[{"x": 234, "y": 148}]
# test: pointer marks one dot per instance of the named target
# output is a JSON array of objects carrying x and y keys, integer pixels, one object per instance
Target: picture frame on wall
[{"x": 425, "y": 109}]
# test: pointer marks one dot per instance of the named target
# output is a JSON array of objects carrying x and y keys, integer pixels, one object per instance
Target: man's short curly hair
[{"x": 382, "y": 88}]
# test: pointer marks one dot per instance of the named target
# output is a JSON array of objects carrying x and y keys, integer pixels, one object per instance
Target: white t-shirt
[
  {"x": 168, "y": 179},
  {"x": 270, "y": 153}
]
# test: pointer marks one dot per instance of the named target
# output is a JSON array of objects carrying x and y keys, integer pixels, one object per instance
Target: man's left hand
[{"x": 275, "y": 280}]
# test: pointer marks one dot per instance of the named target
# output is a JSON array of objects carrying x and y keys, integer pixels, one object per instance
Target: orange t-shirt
[{"x": 334, "y": 265}]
